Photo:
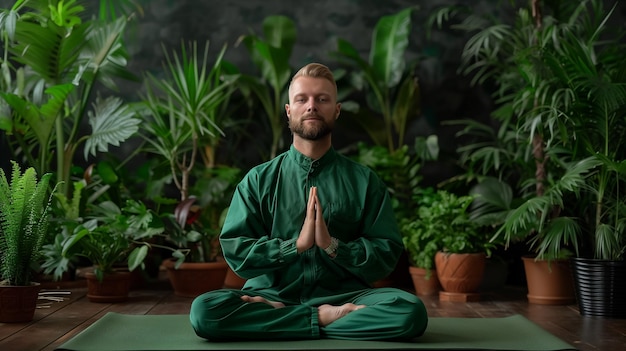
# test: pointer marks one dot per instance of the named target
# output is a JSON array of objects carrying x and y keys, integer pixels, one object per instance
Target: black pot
[{"x": 600, "y": 287}]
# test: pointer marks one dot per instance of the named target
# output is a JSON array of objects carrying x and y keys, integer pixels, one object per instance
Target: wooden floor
[{"x": 61, "y": 320}]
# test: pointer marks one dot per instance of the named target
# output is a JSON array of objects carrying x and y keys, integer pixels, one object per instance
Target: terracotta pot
[
  {"x": 193, "y": 279},
  {"x": 113, "y": 287},
  {"x": 18, "y": 303},
  {"x": 425, "y": 281},
  {"x": 549, "y": 282},
  {"x": 232, "y": 280},
  {"x": 460, "y": 273}
]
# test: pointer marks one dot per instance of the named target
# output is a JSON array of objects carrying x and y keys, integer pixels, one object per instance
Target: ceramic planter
[
  {"x": 460, "y": 275},
  {"x": 549, "y": 282},
  {"x": 192, "y": 279},
  {"x": 425, "y": 282},
  {"x": 600, "y": 287},
  {"x": 18, "y": 303},
  {"x": 113, "y": 287}
]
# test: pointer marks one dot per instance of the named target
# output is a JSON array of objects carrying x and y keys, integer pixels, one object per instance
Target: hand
[
  {"x": 306, "y": 239},
  {"x": 322, "y": 236}
]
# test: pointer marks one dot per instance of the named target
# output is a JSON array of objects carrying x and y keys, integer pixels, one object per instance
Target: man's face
[{"x": 312, "y": 108}]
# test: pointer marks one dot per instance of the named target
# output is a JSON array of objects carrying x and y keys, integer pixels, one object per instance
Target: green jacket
[{"x": 267, "y": 212}]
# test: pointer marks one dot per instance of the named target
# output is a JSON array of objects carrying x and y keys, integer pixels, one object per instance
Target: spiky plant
[{"x": 24, "y": 208}]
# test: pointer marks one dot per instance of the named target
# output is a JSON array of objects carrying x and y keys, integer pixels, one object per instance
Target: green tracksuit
[{"x": 259, "y": 243}]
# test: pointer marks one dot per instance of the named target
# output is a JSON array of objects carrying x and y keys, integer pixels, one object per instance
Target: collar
[{"x": 309, "y": 164}]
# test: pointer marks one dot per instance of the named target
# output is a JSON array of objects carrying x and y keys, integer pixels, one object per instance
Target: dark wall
[
  {"x": 319, "y": 25},
  {"x": 445, "y": 94}
]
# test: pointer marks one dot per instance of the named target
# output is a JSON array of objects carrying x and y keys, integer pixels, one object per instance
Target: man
[{"x": 310, "y": 230}]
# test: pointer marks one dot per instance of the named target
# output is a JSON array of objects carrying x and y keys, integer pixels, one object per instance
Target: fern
[{"x": 23, "y": 223}]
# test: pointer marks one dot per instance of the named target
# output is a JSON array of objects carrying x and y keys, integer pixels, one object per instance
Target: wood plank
[
  {"x": 38, "y": 335},
  {"x": 63, "y": 320},
  {"x": 8, "y": 329}
]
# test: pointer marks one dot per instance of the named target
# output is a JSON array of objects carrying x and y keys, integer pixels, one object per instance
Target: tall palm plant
[
  {"x": 53, "y": 59},
  {"x": 560, "y": 86}
]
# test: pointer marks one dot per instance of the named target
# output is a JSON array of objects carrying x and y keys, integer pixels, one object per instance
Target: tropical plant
[
  {"x": 442, "y": 223},
  {"x": 399, "y": 169},
  {"x": 271, "y": 56},
  {"x": 560, "y": 89},
  {"x": 390, "y": 87},
  {"x": 53, "y": 60},
  {"x": 112, "y": 235},
  {"x": 24, "y": 216},
  {"x": 420, "y": 241},
  {"x": 182, "y": 112},
  {"x": 197, "y": 221}
]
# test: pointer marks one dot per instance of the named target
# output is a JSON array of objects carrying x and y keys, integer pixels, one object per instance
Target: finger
[{"x": 318, "y": 208}]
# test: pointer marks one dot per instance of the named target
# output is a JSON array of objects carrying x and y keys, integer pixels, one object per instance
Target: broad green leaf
[
  {"x": 389, "y": 43},
  {"x": 137, "y": 256},
  {"x": 112, "y": 122}
]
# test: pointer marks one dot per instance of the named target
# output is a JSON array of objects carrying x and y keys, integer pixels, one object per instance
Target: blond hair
[{"x": 315, "y": 70}]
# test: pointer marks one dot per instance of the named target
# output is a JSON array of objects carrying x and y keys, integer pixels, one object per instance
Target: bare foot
[
  {"x": 328, "y": 313},
  {"x": 253, "y": 299}
]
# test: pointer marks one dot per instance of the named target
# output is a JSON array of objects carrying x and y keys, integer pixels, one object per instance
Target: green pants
[{"x": 390, "y": 314}]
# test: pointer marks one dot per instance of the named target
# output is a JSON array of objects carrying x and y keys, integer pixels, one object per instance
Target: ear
[
  {"x": 338, "y": 110},
  {"x": 287, "y": 110}
]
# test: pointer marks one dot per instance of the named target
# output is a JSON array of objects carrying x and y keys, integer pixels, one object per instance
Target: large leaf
[
  {"x": 105, "y": 56},
  {"x": 389, "y": 43},
  {"x": 280, "y": 32},
  {"x": 112, "y": 122},
  {"x": 49, "y": 51}
]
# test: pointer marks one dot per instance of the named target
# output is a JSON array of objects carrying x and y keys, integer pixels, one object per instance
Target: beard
[{"x": 312, "y": 132}]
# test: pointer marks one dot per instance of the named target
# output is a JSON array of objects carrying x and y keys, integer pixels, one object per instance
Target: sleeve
[
  {"x": 374, "y": 254},
  {"x": 246, "y": 244}
]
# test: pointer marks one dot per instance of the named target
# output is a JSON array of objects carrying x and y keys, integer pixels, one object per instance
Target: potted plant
[
  {"x": 460, "y": 262},
  {"x": 420, "y": 236},
  {"x": 184, "y": 116},
  {"x": 109, "y": 237},
  {"x": 560, "y": 87},
  {"x": 24, "y": 218}
]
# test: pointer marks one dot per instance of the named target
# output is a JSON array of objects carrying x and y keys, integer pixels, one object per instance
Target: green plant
[
  {"x": 24, "y": 215},
  {"x": 399, "y": 169},
  {"x": 196, "y": 222},
  {"x": 418, "y": 236},
  {"x": 183, "y": 110},
  {"x": 560, "y": 89},
  {"x": 391, "y": 89},
  {"x": 112, "y": 235},
  {"x": 53, "y": 60},
  {"x": 271, "y": 57},
  {"x": 442, "y": 223}
]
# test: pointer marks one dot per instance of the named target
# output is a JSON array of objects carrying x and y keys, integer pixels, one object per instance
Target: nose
[{"x": 311, "y": 106}]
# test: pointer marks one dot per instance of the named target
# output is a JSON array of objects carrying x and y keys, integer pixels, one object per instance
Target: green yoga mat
[{"x": 117, "y": 332}]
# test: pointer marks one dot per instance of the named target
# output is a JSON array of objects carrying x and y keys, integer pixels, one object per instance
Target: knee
[
  {"x": 418, "y": 320},
  {"x": 415, "y": 315},
  {"x": 208, "y": 309}
]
